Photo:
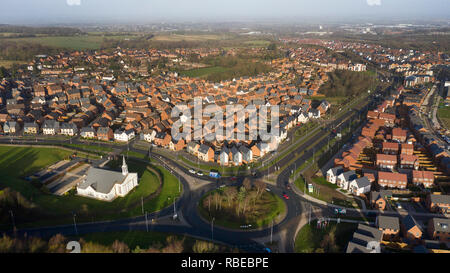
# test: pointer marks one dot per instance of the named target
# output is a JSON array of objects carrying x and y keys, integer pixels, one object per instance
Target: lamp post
[
  {"x": 75, "y": 224},
  {"x": 146, "y": 221},
  {"x": 12, "y": 219}
]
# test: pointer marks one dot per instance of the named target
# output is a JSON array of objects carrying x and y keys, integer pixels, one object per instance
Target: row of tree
[{"x": 58, "y": 244}]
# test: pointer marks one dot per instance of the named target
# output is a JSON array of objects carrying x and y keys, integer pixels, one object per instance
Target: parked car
[
  {"x": 199, "y": 173},
  {"x": 192, "y": 171}
]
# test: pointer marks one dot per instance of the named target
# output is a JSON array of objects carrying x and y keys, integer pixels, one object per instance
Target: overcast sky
[{"x": 70, "y": 11}]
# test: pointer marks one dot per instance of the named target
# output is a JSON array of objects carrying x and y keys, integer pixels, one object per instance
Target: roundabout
[{"x": 251, "y": 206}]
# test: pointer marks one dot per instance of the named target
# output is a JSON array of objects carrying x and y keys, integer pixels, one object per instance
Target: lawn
[
  {"x": 444, "y": 114},
  {"x": 269, "y": 207},
  {"x": 9, "y": 64},
  {"x": 17, "y": 162},
  {"x": 310, "y": 238},
  {"x": 90, "y": 148},
  {"x": 204, "y": 72}
]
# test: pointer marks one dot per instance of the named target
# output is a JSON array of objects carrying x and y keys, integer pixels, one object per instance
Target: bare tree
[
  {"x": 230, "y": 194},
  {"x": 260, "y": 187},
  {"x": 247, "y": 184}
]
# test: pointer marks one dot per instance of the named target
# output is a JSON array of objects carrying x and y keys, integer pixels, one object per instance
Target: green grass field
[
  {"x": 310, "y": 239},
  {"x": 18, "y": 162},
  {"x": 203, "y": 72},
  {"x": 90, "y": 148},
  {"x": 444, "y": 114}
]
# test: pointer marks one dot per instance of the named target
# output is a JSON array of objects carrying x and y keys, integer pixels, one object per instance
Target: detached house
[
  {"x": 123, "y": 135},
  {"x": 344, "y": 179},
  {"x": 378, "y": 200},
  {"x": 205, "y": 153},
  {"x": 30, "y": 128},
  {"x": 68, "y": 129},
  {"x": 390, "y": 226},
  {"x": 411, "y": 228},
  {"x": 333, "y": 173},
  {"x": 148, "y": 135},
  {"x": 223, "y": 156},
  {"x": 50, "y": 127},
  {"x": 439, "y": 229},
  {"x": 87, "y": 132},
  {"x": 359, "y": 186},
  {"x": 105, "y": 133},
  {"x": 192, "y": 148},
  {"x": 11, "y": 127},
  {"x": 438, "y": 203},
  {"x": 247, "y": 155}
]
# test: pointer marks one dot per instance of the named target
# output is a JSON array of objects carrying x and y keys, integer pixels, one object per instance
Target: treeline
[
  {"x": 23, "y": 51},
  {"x": 58, "y": 244},
  {"x": 344, "y": 83},
  {"x": 31, "y": 31}
]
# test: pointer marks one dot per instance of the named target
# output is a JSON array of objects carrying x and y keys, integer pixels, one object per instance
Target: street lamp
[
  {"x": 146, "y": 221},
  {"x": 12, "y": 219},
  {"x": 75, "y": 223}
]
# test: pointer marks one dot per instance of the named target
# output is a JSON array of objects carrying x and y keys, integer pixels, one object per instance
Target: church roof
[{"x": 102, "y": 180}]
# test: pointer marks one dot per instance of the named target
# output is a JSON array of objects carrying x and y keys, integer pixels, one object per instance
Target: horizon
[{"x": 204, "y": 11}]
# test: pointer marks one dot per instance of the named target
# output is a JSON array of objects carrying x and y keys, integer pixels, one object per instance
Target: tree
[
  {"x": 120, "y": 247},
  {"x": 240, "y": 199},
  {"x": 247, "y": 184},
  {"x": 203, "y": 247},
  {"x": 272, "y": 47},
  {"x": 57, "y": 244},
  {"x": 173, "y": 245},
  {"x": 230, "y": 194},
  {"x": 260, "y": 187},
  {"x": 6, "y": 244}
]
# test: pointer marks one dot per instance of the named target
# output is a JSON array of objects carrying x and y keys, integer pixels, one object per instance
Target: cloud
[
  {"x": 374, "y": 2},
  {"x": 73, "y": 2}
]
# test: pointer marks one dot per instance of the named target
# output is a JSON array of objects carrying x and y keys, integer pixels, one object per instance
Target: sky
[{"x": 128, "y": 11}]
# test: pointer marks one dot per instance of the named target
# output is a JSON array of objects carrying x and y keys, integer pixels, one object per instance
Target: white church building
[{"x": 107, "y": 185}]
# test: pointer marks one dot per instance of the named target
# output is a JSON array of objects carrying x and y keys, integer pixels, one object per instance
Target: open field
[
  {"x": 444, "y": 114},
  {"x": 189, "y": 37},
  {"x": 204, "y": 72},
  {"x": 332, "y": 238},
  {"x": 9, "y": 64}
]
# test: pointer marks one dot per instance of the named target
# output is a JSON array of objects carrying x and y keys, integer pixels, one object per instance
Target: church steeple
[{"x": 124, "y": 167}]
